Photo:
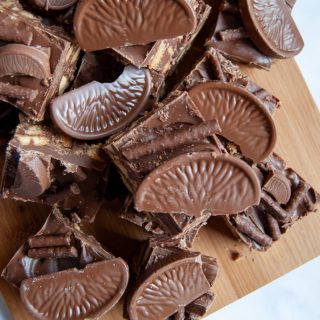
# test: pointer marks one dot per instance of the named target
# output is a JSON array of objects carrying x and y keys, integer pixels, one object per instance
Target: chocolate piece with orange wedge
[
  {"x": 36, "y": 62},
  {"x": 285, "y": 198},
  {"x": 85, "y": 282},
  {"x": 178, "y": 281}
]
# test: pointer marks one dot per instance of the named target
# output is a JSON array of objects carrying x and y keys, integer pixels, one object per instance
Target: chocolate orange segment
[
  {"x": 19, "y": 59},
  {"x": 169, "y": 288},
  {"x": 242, "y": 117},
  {"x": 272, "y": 27},
  {"x": 76, "y": 294},
  {"x": 101, "y": 24},
  {"x": 199, "y": 183},
  {"x": 97, "y": 110}
]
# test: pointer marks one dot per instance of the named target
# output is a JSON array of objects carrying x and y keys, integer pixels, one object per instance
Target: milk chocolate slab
[
  {"x": 45, "y": 166},
  {"x": 105, "y": 24},
  {"x": 177, "y": 281},
  {"x": 230, "y": 37},
  {"x": 78, "y": 286},
  {"x": 199, "y": 183},
  {"x": 214, "y": 66},
  {"x": 242, "y": 117},
  {"x": 285, "y": 198},
  {"x": 55, "y": 5},
  {"x": 271, "y": 27},
  {"x": 177, "y": 115},
  {"x": 37, "y": 62},
  {"x": 97, "y": 110}
]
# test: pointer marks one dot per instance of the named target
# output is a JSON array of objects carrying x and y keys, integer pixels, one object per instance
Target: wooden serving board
[{"x": 298, "y": 123}]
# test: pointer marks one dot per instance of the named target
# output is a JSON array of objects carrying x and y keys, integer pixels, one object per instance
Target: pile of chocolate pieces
[{"x": 147, "y": 89}]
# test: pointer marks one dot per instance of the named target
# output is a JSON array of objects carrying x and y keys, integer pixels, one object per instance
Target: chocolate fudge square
[
  {"x": 285, "y": 198},
  {"x": 61, "y": 262},
  {"x": 45, "y": 166},
  {"x": 160, "y": 272},
  {"x": 37, "y": 62}
]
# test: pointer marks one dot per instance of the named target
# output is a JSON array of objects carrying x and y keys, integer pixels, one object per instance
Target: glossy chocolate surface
[
  {"x": 271, "y": 27},
  {"x": 241, "y": 115},
  {"x": 105, "y": 24},
  {"x": 199, "y": 183},
  {"x": 97, "y": 110}
]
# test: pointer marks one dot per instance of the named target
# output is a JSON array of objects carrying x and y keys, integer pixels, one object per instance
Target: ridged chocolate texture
[
  {"x": 97, "y": 110},
  {"x": 19, "y": 59},
  {"x": 271, "y": 27},
  {"x": 170, "y": 285},
  {"x": 76, "y": 294},
  {"x": 199, "y": 183},
  {"x": 242, "y": 117},
  {"x": 101, "y": 24},
  {"x": 52, "y": 4}
]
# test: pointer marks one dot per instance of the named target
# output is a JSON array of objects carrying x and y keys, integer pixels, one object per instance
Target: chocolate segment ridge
[
  {"x": 76, "y": 294},
  {"x": 271, "y": 27},
  {"x": 169, "y": 286},
  {"x": 101, "y": 24},
  {"x": 52, "y": 4},
  {"x": 199, "y": 183},
  {"x": 242, "y": 117},
  {"x": 97, "y": 110},
  {"x": 19, "y": 59}
]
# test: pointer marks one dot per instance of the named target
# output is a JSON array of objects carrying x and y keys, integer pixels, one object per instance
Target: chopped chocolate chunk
[
  {"x": 40, "y": 168},
  {"x": 47, "y": 275},
  {"x": 36, "y": 62},
  {"x": 291, "y": 199}
]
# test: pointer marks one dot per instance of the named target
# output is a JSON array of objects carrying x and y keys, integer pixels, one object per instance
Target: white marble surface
[{"x": 294, "y": 296}]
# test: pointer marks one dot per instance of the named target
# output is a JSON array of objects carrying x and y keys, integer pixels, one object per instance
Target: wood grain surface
[{"x": 298, "y": 123}]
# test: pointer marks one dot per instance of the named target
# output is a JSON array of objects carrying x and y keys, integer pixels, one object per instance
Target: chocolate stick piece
[
  {"x": 49, "y": 241},
  {"x": 186, "y": 135},
  {"x": 273, "y": 227},
  {"x": 17, "y": 92},
  {"x": 233, "y": 34},
  {"x": 296, "y": 198},
  {"x": 275, "y": 210},
  {"x": 246, "y": 226},
  {"x": 216, "y": 67},
  {"x": 53, "y": 252}
]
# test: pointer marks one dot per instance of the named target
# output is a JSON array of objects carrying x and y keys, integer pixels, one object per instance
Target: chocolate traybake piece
[
  {"x": 162, "y": 56},
  {"x": 213, "y": 66},
  {"x": 171, "y": 284},
  {"x": 44, "y": 166},
  {"x": 36, "y": 62},
  {"x": 63, "y": 273},
  {"x": 243, "y": 38},
  {"x": 285, "y": 198}
]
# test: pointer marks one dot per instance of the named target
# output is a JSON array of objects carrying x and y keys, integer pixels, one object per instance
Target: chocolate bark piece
[
  {"x": 175, "y": 114},
  {"x": 214, "y": 66},
  {"x": 182, "y": 297},
  {"x": 285, "y": 198},
  {"x": 31, "y": 48},
  {"x": 94, "y": 276},
  {"x": 55, "y": 5},
  {"x": 199, "y": 183},
  {"x": 45, "y": 166},
  {"x": 105, "y": 24},
  {"x": 97, "y": 110},
  {"x": 230, "y": 37},
  {"x": 166, "y": 230},
  {"x": 242, "y": 117},
  {"x": 162, "y": 56},
  {"x": 271, "y": 27}
]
